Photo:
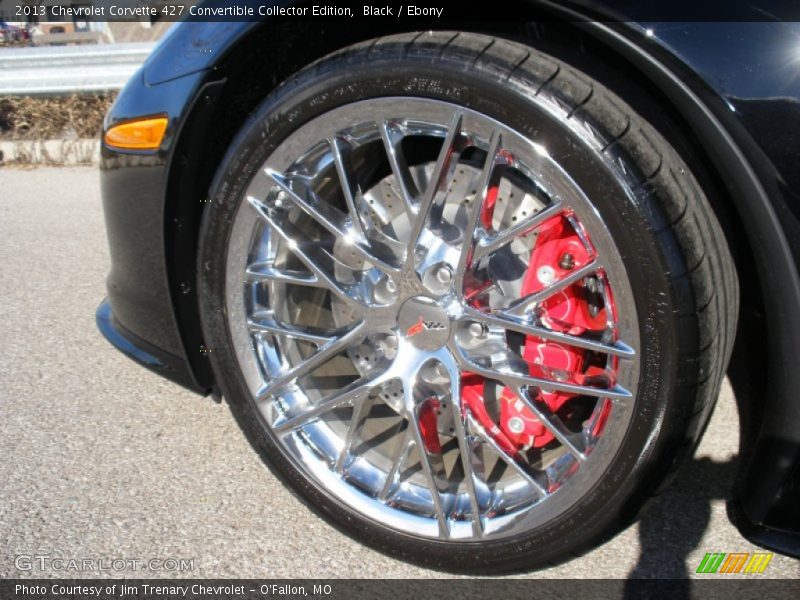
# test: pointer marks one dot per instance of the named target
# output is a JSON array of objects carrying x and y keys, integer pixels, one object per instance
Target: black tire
[{"x": 675, "y": 254}]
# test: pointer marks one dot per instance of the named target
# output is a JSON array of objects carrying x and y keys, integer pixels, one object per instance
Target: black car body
[{"x": 734, "y": 85}]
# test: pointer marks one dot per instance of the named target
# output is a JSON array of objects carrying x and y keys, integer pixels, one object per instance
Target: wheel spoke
[
  {"x": 258, "y": 272},
  {"x": 491, "y": 244},
  {"x": 519, "y": 377},
  {"x": 316, "y": 360},
  {"x": 466, "y": 257},
  {"x": 519, "y": 307},
  {"x": 336, "y": 144},
  {"x": 469, "y": 460},
  {"x": 330, "y": 219},
  {"x": 374, "y": 229},
  {"x": 553, "y": 423},
  {"x": 354, "y": 199},
  {"x": 427, "y": 468},
  {"x": 392, "y": 136},
  {"x": 361, "y": 408},
  {"x": 441, "y": 173},
  {"x": 308, "y": 253},
  {"x": 515, "y": 462},
  {"x": 402, "y": 449},
  {"x": 266, "y": 323},
  {"x": 618, "y": 349},
  {"x": 354, "y": 393},
  {"x": 424, "y": 459}
]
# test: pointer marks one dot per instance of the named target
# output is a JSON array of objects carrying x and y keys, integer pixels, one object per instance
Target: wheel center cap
[{"x": 424, "y": 323}]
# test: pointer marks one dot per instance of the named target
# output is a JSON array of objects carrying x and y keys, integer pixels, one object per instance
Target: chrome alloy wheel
[{"x": 416, "y": 339}]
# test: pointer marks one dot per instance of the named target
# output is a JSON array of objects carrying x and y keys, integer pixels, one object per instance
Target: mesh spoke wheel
[{"x": 430, "y": 316}]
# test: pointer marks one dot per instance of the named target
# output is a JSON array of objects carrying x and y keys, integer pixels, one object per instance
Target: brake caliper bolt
[
  {"x": 545, "y": 274},
  {"x": 567, "y": 261},
  {"x": 515, "y": 425}
]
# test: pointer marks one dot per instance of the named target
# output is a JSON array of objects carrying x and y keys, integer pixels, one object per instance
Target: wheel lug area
[
  {"x": 471, "y": 335},
  {"x": 477, "y": 330},
  {"x": 438, "y": 279},
  {"x": 385, "y": 291},
  {"x": 387, "y": 345},
  {"x": 444, "y": 275},
  {"x": 434, "y": 374}
]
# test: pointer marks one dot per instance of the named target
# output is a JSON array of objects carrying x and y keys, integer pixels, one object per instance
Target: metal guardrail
[
  {"x": 81, "y": 37},
  {"x": 69, "y": 69}
]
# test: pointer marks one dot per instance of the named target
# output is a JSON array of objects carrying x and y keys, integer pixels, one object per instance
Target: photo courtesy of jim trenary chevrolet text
[{"x": 373, "y": 299}]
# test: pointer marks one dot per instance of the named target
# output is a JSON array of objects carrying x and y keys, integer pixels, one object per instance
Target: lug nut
[
  {"x": 444, "y": 275},
  {"x": 477, "y": 330},
  {"x": 388, "y": 346},
  {"x": 567, "y": 261},
  {"x": 385, "y": 291},
  {"x": 438, "y": 278},
  {"x": 435, "y": 375}
]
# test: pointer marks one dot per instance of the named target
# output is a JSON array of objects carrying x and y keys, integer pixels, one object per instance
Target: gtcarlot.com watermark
[{"x": 61, "y": 564}]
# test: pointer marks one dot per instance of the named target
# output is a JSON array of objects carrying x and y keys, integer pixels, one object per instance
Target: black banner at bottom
[{"x": 345, "y": 589}]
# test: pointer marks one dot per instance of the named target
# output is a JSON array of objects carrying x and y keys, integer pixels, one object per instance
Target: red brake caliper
[{"x": 558, "y": 251}]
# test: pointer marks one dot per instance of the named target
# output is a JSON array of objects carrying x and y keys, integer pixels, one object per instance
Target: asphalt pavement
[{"x": 103, "y": 460}]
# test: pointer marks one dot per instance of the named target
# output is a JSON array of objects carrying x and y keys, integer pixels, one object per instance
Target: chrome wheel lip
[{"x": 561, "y": 186}]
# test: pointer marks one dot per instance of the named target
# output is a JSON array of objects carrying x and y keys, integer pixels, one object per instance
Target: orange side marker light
[{"x": 140, "y": 134}]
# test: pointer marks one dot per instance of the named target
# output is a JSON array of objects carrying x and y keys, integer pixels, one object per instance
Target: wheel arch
[{"x": 736, "y": 168}]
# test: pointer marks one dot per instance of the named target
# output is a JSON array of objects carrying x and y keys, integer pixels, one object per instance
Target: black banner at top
[{"x": 23, "y": 11}]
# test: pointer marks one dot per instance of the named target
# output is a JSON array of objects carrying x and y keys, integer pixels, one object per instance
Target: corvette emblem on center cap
[
  {"x": 421, "y": 326},
  {"x": 424, "y": 323}
]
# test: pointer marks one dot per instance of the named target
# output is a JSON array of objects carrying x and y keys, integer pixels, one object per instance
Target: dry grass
[
  {"x": 13, "y": 44},
  {"x": 61, "y": 118}
]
